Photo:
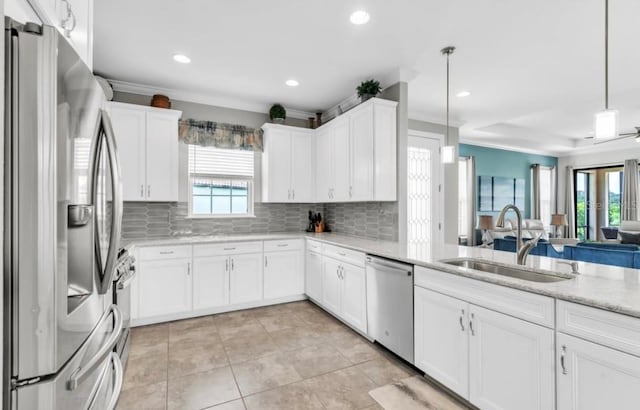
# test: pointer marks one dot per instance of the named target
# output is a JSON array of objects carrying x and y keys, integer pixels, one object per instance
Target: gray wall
[
  {"x": 450, "y": 180},
  {"x": 148, "y": 220}
]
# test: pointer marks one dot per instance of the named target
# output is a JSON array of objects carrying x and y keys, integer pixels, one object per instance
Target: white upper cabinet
[
  {"x": 287, "y": 164},
  {"x": 147, "y": 141},
  {"x": 73, "y": 18},
  {"x": 350, "y": 158}
]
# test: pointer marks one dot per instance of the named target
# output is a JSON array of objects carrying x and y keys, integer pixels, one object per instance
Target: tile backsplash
[{"x": 376, "y": 220}]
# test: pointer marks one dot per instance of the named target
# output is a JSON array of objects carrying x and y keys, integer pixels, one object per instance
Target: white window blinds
[{"x": 217, "y": 161}]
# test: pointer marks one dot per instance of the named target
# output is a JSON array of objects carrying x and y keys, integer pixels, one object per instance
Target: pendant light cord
[
  {"x": 447, "y": 51},
  {"x": 606, "y": 54}
]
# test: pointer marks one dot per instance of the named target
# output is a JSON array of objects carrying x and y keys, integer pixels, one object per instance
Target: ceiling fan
[{"x": 635, "y": 134}]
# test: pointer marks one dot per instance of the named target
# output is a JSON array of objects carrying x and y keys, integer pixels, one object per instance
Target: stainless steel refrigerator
[{"x": 63, "y": 214}]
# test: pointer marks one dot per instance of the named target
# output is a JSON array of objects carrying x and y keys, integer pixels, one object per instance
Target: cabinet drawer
[
  {"x": 152, "y": 253},
  {"x": 344, "y": 255},
  {"x": 283, "y": 245},
  {"x": 314, "y": 246},
  {"x": 600, "y": 326},
  {"x": 524, "y": 305},
  {"x": 228, "y": 248}
]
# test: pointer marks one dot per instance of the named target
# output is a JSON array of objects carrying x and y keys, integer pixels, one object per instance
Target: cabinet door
[
  {"x": 594, "y": 377},
  {"x": 129, "y": 127},
  {"x": 511, "y": 362},
  {"x": 276, "y": 166},
  {"x": 324, "y": 164},
  {"x": 246, "y": 278},
  {"x": 162, "y": 157},
  {"x": 385, "y": 160},
  {"x": 313, "y": 272},
  {"x": 302, "y": 167},
  {"x": 441, "y": 341},
  {"x": 354, "y": 296},
  {"x": 341, "y": 170},
  {"x": 331, "y": 284},
  {"x": 210, "y": 282},
  {"x": 283, "y": 274},
  {"x": 361, "y": 155},
  {"x": 164, "y": 287}
]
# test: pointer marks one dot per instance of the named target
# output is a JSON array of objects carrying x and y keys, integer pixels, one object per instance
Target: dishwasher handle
[{"x": 379, "y": 263}]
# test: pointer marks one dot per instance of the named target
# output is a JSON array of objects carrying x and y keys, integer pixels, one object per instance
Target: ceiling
[{"x": 535, "y": 68}]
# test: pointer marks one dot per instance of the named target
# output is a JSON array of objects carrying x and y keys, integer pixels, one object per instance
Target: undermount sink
[{"x": 507, "y": 270}]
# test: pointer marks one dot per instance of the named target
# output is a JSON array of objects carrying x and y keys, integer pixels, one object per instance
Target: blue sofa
[
  {"x": 543, "y": 248},
  {"x": 616, "y": 254}
]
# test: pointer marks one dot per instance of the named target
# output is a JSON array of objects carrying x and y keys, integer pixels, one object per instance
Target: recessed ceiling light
[
  {"x": 359, "y": 17},
  {"x": 463, "y": 94},
  {"x": 292, "y": 83},
  {"x": 181, "y": 58}
]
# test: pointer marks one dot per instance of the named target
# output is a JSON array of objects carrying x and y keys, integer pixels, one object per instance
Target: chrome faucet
[{"x": 522, "y": 250}]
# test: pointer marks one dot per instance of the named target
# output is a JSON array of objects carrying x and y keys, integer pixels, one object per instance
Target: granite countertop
[{"x": 607, "y": 287}]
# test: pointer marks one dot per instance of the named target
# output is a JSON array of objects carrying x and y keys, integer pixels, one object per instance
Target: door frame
[{"x": 438, "y": 235}]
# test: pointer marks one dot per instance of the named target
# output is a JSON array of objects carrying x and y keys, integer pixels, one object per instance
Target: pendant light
[
  {"x": 606, "y": 122},
  {"x": 448, "y": 151}
]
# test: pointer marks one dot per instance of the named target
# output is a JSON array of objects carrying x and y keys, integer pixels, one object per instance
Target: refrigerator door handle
[
  {"x": 81, "y": 373},
  {"x": 119, "y": 376},
  {"x": 97, "y": 401},
  {"x": 105, "y": 278}
]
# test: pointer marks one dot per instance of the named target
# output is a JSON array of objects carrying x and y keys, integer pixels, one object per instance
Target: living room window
[
  {"x": 220, "y": 182},
  {"x": 614, "y": 197}
]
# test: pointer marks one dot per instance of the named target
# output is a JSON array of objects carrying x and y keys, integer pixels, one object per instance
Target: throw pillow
[{"x": 628, "y": 237}]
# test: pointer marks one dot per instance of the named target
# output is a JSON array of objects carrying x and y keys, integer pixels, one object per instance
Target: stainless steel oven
[{"x": 125, "y": 272}]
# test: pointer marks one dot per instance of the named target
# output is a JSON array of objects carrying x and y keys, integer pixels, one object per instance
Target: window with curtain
[
  {"x": 463, "y": 198},
  {"x": 220, "y": 182},
  {"x": 543, "y": 186}
]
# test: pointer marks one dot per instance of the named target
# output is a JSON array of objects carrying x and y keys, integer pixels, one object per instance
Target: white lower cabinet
[
  {"x": 331, "y": 284},
  {"x": 594, "y": 377},
  {"x": 283, "y": 274},
  {"x": 493, "y": 360},
  {"x": 164, "y": 287},
  {"x": 354, "y": 296},
  {"x": 511, "y": 362},
  {"x": 210, "y": 282},
  {"x": 344, "y": 292},
  {"x": 313, "y": 275},
  {"x": 441, "y": 342},
  {"x": 245, "y": 283}
]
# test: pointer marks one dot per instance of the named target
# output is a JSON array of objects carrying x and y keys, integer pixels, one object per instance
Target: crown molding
[
  {"x": 201, "y": 98},
  {"x": 420, "y": 116}
]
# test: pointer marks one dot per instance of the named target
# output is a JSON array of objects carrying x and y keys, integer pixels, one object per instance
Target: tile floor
[{"x": 290, "y": 356}]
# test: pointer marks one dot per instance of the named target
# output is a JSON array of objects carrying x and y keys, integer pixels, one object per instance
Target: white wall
[{"x": 591, "y": 160}]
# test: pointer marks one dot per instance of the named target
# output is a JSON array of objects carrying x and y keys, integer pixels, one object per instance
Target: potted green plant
[
  {"x": 277, "y": 113},
  {"x": 368, "y": 89}
]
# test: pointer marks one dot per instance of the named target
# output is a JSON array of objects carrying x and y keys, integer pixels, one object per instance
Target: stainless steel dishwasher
[{"x": 390, "y": 305}]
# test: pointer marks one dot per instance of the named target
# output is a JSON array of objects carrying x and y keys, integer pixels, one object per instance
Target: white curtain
[
  {"x": 570, "y": 203},
  {"x": 471, "y": 194},
  {"x": 543, "y": 192},
  {"x": 630, "y": 190}
]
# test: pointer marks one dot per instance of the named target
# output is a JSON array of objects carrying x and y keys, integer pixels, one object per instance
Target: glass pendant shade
[
  {"x": 606, "y": 124},
  {"x": 448, "y": 154}
]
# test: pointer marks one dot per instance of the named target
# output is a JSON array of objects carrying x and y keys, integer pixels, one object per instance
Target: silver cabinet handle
[
  {"x": 473, "y": 333},
  {"x": 288, "y": 194},
  {"x": 293, "y": 194},
  {"x": 166, "y": 252},
  {"x": 142, "y": 191},
  {"x": 188, "y": 268},
  {"x": 229, "y": 249},
  {"x": 232, "y": 266},
  {"x": 350, "y": 191},
  {"x": 342, "y": 254},
  {"x": 226, "y": 265},
  {"x": 148, "y": 191},
  {"x": 461, "y": 322},
  {"x": 562, "y": 355},
  {"x": 266, "y": 261},
  {"x": 81, "y": 373},
  {"x": 338, "y": 272},
  {"x": 282, "y": 245}
]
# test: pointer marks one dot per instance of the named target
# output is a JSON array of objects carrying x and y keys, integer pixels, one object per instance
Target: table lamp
[
  {"x": 485, "y": 223},
  {"x": 558, "y": 220}
]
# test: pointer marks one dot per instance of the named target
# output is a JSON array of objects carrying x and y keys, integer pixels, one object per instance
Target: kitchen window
[{"x": 220, "y": 182}]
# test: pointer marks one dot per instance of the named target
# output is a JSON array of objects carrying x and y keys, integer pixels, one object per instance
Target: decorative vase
[
  {"x": 365, "y": 97},
  {"x": 278, "y": 120}
]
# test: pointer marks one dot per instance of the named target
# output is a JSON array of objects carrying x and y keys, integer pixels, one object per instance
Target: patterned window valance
[{"x": 213, "y": 134}]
